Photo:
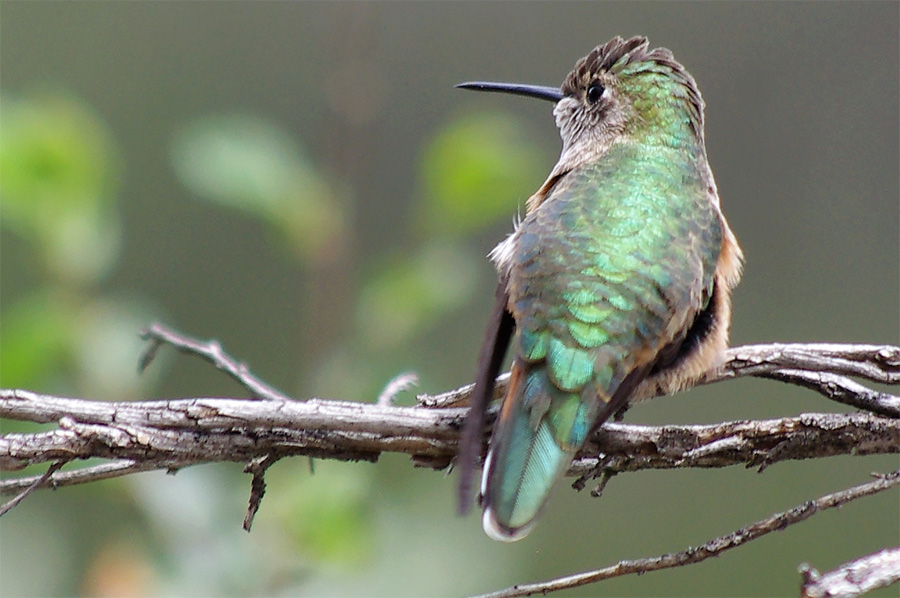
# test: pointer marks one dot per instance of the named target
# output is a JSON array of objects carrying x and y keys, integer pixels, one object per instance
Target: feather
[{"x": 496, "y": 341}]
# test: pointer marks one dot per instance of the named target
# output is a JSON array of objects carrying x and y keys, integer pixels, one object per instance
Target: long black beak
[{"x": 552, "y": 94}]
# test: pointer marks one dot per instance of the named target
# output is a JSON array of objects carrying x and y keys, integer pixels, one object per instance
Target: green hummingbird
[{"x": 615, "y": 286}]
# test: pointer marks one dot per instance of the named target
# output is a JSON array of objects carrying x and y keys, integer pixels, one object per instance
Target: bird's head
[{"x": 621, "y": 90}]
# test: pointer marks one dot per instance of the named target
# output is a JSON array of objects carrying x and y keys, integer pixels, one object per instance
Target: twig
[
  {"x": 854, "y": 578},
  {"x": 41, "y": 480},
  {"x": 821, "y": 367},
  {"x": 258, "y": 468},
  {"x": 460, "y": 396},
  {"x": 211, "y": 351},
  {"x": 94, "y": 473},
  {"x": 840, "y": 389},
  {"x": 714, "y": 547},
  {"x": 398, "y": 384},
  {"x": 877, "y": 363}
]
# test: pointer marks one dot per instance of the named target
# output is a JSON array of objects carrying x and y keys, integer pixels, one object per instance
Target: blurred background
[{"x": 303, "y": 183}]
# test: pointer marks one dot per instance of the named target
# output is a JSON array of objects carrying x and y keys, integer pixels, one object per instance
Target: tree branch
[
  {"x": 176, "y": 433},
  {"x": 171, "y": 434},
  {"x": 37, "y": 483},
  {"x": 181, "y": 432},
  {"x": 714, "y": 547},
  {"x": 83, "y": 475}
]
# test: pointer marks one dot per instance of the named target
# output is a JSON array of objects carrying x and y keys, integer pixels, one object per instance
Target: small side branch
[
  {"x": 40, "y": 481},
  {"x": 158, "y": 335},
  {"x": 257, "y": 468},
  {"x": 714, "y": 547},
  {"x": 84, "y": 475},
  {"x": 876, "y": 363},
  {"x": 855, "y": 578},
  {"x": 821, "y": 367}
]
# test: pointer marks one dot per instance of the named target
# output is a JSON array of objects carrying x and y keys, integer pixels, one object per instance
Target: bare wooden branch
[
  {"x": 842, "y": 390},
  {"x": 712, "y": 548},
  {"x": 188, "y": 431},
  {"x": 141, "y": 436},
  {"x": 752, "y": 443},
  {"x": 854, "y": 578},
  {"x": 876, "y": 363}
]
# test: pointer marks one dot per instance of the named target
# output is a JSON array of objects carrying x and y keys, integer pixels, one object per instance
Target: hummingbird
[{"x": 615, "y": 285}]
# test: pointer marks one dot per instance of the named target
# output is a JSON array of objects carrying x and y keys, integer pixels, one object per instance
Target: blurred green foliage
[
  {"x": 249, "y": 164},
  {"x": 35, "y": 340},
  {"x": 411, "y": 291},
  {"x": 474, "y": 171},
  {"x": 59, "y": 195},
  {"x": 327, "y": 517},
  {"x": 59, "y": 182}
]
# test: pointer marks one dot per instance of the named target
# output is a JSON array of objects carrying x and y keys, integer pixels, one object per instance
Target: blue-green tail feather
[{"x": 539, "y": 431}]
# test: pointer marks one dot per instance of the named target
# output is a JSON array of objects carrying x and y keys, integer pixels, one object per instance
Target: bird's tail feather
[{"x": 526, "y": 457}]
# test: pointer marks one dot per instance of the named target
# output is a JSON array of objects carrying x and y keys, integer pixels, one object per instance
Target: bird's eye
[{"x": 595, "y": 92}]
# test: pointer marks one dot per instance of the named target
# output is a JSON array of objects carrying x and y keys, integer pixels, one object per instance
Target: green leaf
[
  {"x": 476, "y": 171},
  {"x": 58, "y": 183},
  {"x": 53, "y": 337},
  {"x": 106, "y": 346},
  {"x": 410, "y": 294},
  {"x": 246, "y": 163},
  {"x": 35, "y": 338},
  {"x": 240, "y": 161}
]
